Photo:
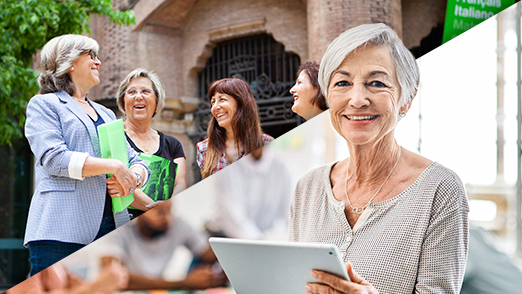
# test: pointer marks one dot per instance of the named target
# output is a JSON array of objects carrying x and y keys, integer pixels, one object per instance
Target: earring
[
  {"x": 72, "y": 68},
  {"x": 402, "y": 113}
]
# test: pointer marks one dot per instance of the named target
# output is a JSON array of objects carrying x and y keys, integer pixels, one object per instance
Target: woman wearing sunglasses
[{"x": 71, "y": 205}]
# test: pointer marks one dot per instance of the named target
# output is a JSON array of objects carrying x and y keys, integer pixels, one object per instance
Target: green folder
[{"x": 113, "y": 145}]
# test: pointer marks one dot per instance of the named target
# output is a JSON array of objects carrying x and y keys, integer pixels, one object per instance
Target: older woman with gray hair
[
  {"x": 400, "y": 220},
  {"x": 140, "y": 97},
  {"x": 71, "y": 205}
]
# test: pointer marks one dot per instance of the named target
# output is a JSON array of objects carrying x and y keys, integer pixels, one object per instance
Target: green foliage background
[{"x": 25, "y": 26}]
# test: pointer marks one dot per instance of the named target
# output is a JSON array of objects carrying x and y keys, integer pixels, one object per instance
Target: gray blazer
[{"x": 63, "y": 208}]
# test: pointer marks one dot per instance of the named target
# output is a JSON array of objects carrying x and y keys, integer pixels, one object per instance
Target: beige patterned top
[{"x": 415, "y": 242}]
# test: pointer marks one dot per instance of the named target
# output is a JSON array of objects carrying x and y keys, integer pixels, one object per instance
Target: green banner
[{"x": 462, "y": 15}]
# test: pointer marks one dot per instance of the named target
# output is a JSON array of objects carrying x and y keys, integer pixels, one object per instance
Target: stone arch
[
  {"x": 269, "y": 70},
  {"x": 163, "y": 16},
  {"x": 263, "y": 63},
  {"x": 211, "y": 22}
]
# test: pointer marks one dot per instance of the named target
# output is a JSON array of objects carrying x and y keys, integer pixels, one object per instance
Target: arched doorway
[{"x": 269, "y": 70}]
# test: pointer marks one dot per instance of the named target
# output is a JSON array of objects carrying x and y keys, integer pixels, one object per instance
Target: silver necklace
[
  {"x": 360, "y": 209},
  {"x": 83, "y": 101},
  {"x": 87, "y": 108}
]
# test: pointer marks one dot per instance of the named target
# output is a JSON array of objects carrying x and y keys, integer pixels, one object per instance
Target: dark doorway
[
  {"x": 430, "y": 42},
  {"x": 270, "y": 71}
]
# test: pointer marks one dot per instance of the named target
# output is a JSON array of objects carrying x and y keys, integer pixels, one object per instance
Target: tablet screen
[{"x": 271, "y": 267}]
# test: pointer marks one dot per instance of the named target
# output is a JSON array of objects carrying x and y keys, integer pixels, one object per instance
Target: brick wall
[
  {"x": 178, "y": 52},
  {"x": 174, "y": 38},
  {"x": 284, "y": 20},
  {"x": 115, "y": 47},
  {"x": 328, "y": 18}
]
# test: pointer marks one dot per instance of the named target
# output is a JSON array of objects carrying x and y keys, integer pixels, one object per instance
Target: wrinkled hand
[
  {"x": 112, "y": 277},
  {"x": 203, "y": 278},
  {"x": 142, "y": 201},
  {"x": 336, "y": 285},
  {"x": 122, "y": 182}
]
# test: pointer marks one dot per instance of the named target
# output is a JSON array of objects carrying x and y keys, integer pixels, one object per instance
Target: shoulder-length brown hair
[
  {"x": 245, "y": 122},
  {"x": 311, "y": 68}
]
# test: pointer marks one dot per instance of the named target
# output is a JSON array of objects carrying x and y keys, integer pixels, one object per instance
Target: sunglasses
[{"x": 93, "y": 54}]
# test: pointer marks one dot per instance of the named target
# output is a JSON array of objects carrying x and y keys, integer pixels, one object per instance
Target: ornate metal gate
[{"x": 270, "y": 71}]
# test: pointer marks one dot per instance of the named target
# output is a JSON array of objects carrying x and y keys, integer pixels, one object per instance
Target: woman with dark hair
[
  {"x": 308, "y": 99},
  {"x": 234, "y": 129}
]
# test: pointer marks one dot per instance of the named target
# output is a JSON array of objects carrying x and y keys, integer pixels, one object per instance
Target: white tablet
[{"x": 271, "y": 267}]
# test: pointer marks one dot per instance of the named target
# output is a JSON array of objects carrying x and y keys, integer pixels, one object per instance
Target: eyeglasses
[
  {"x": 93, "y": 54},
  {"x": 145, "y": 92}
]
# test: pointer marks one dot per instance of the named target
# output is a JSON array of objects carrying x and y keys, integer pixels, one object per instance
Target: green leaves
[
  {"x": 15, "y": 79},
  {"x": 25, "y": 26}
]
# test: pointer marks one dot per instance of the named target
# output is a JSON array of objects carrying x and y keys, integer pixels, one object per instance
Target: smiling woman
[
  {"x": 234, "y": 129},
  {"x": 399, "y": 219},
  {"x": 71, "y": 204},
  {"x": 140, "y": 97},
  {"x": 308, "y": 99},
  {"x": 368, "y": 72}
]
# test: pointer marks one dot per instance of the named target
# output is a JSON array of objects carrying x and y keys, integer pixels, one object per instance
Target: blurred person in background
[
  {"x": 57, "y": 280},
  {"x": 145, "y": 245},
  {"x": 308, "y": 98},
  {"x": 257, "y": 206},
  {"x": 234, "y": 129},
  {"x": 489, "y": 270}
]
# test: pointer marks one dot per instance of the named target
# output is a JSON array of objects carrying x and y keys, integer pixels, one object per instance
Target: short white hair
[
  {"x": 56, "y": 59},
  {"x": 372, "y": 34}
]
